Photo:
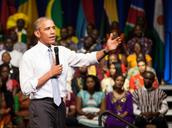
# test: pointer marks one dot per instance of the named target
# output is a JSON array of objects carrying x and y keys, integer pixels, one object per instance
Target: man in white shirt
[
  {"x": 15, "y": 55},
  {"x": 36, "y": 74}
]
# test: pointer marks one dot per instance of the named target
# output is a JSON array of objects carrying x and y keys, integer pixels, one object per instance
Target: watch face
[
  {"x": 115, "y": 35},
  {"x": 105, "y": 51}
]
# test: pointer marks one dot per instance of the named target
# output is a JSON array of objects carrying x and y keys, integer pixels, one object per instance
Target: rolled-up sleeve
[
  {"x": 80, "y": 59},
  {"x": 28, "y": 81}
]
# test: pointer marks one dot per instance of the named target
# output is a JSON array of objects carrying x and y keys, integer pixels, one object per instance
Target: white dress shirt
[{"x": 35, "y": 63}]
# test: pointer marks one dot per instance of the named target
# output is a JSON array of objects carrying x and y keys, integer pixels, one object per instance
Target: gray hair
[{"x": 36, "y": 24}]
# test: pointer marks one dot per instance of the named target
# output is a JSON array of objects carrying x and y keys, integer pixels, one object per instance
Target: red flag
[
  {"x": 7, "y": 8},
  {"x": 88, "y": 7},
  {"x": 4, "y": 14}
]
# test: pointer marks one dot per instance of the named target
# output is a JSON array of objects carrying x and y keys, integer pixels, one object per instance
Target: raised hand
[{"x": 112, "y": 43}]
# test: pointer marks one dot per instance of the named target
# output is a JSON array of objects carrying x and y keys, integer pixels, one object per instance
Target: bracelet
[{"x": 105, "y": 51}]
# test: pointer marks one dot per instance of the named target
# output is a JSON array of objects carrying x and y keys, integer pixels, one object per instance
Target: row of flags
[{"x": 86, "y": 14}]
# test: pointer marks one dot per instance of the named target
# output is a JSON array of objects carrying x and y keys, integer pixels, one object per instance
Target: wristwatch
[{"x": 106, "y": 52}]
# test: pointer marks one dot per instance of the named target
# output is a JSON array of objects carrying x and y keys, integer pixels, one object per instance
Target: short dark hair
[
  {"x": 141, "y": 57},
  {"x": 152, "y": 74},
  {"x": 96, "y": 80}
]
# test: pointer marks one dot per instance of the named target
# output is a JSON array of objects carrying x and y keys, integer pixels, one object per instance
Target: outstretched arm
[{"x": 111, "y": 45}]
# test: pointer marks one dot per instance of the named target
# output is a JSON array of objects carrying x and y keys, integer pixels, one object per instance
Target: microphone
[{"x": 56, "y": 51}]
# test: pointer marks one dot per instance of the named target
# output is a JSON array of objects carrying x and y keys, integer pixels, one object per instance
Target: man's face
[
  {"x": 64, "y": 33},
  {"x": 46, "y": 32},
  {"x": 148, "y": 79}
]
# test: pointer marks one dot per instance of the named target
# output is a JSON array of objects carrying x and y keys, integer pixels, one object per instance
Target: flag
[
  {"x": 123, "y": 6},
  {"x": 159, "y": 37},
  {"x": 89, "y": 13},
  {"x": 81, "y": 22},
  {"x": 168, "y": 41},
  {"x": 136, "y": 10},
  {"x": 54, "y": 11},
  {"x": 29, "y": 8},
  {"x": 110, "y": 7},
  {"x": 7, "y": 8}
]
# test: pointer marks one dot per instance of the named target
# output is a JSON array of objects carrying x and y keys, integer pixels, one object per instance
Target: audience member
[
  {"x": 70, "y": 102},
  {"x": 118, "y": 102},
  {"x": 14, "y": 71},
  {"x": 79, "y": 79},
  {"x": 7, "y": 85},
  {"x": 108, "y": 81},
  {"x": 15, "y": 55},
  {"x": 136, "y": 80},
  {"x": 150, "y": 104},
  {"x": 88, "y": 102},
  {"x": 139, "y": 36},
  {"x": 137, "y": 50}
]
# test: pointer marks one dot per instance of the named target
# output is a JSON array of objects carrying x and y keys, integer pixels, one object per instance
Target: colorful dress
[
  {"x": 119, "y": 106},
  {"x": 90, "y": 104}
]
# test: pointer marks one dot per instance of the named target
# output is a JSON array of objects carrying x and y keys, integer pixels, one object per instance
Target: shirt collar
[{"x": 43, "y": 47}]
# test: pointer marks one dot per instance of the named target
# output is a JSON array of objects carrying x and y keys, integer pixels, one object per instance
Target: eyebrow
[{"x": 46, "y": 28}]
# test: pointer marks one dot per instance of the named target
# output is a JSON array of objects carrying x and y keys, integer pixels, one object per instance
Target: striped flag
[
  {"x": 54, "y": 11},
  {"x": 159, "y": 37},
  {"x": 7, "y": 8},
  {"x": 81, "y": 22},
  {"x": 29, "y": 8},
  {"x": 89, "y": 13},
  {"x": 136, "y": 10}
]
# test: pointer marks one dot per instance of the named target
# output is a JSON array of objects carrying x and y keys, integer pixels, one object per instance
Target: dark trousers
[
  {"x": 159, "y": 121},
  {"x": 45, "y": 114}
]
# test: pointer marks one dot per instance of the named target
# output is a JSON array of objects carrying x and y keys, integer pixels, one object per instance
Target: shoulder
[
  {"x": 139, "y": 90},
  {"x": 128, "y": 94},
  {"x": 100, "y": 93},
  {"x": 16, "y": 53},
  {"x": 131, "y": 56},
  {"x": 109, "y": 95},
  {"x": 31, "y": 52},
  {"x": 81, "y": 92},
  {"x": 65, "y": 50},
  {"x": 148, "y": 57}
]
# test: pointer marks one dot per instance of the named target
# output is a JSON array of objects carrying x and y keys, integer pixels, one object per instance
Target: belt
[{"x": 46, "y": 98}]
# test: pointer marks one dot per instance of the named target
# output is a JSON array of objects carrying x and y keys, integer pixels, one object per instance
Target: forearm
[
  {"x": 101, "y": 54},
  {"x": 42, "y": 80},
  {"x": 80, "y": 112}
]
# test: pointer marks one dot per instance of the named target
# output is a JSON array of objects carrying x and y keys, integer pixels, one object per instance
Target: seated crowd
[{"x": 124, "y": 82}]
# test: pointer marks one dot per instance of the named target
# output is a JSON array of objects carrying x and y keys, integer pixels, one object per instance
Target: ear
[{"x": 37, "y": 34}]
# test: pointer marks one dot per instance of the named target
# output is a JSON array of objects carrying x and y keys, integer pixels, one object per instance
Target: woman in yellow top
[{"x": 131, "y": 59}]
